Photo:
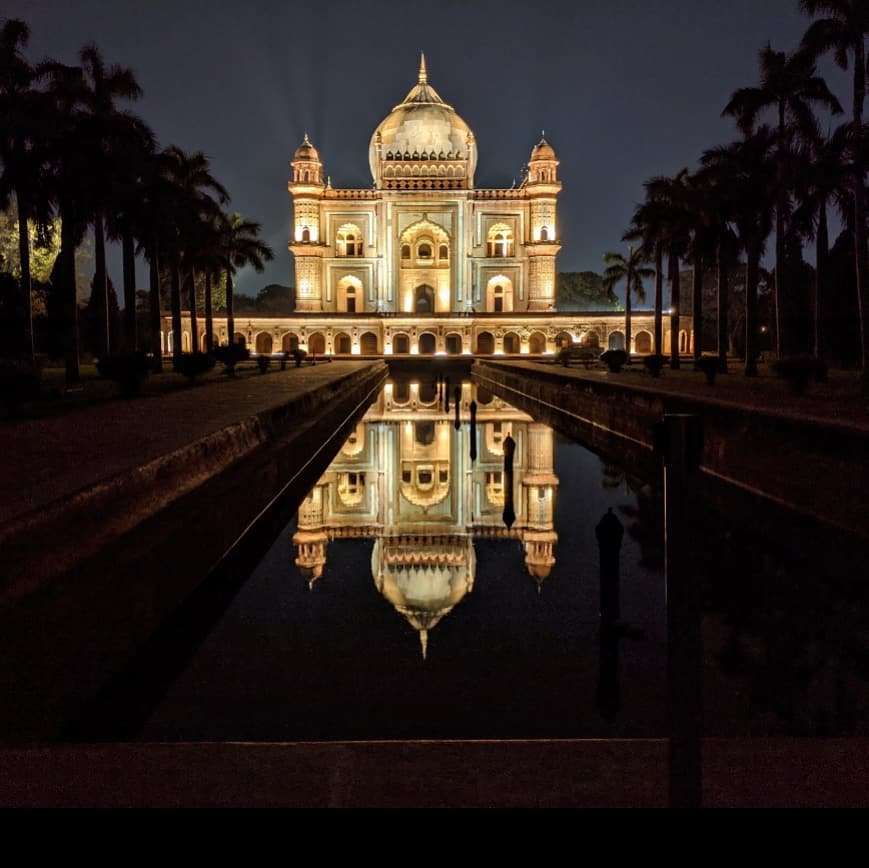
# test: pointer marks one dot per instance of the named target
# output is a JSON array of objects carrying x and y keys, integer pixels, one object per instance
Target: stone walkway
[
  {"x": 54, "y": 457},
  {"x": 836, "y": 402}
]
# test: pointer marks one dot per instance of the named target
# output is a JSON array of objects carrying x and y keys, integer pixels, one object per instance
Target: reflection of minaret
[
  {"x": 309, "y": 538},
  {"x": 310, "y": 554},
  {"x": 539, "y": 486}
]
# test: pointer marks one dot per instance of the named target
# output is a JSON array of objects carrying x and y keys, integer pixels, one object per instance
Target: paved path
[
  {"x": 836, "y": 402},
  {"x": 50, "y": 458}
]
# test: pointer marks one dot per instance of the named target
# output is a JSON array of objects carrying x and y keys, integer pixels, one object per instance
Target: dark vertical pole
[
  {"x": 679, "y": 440},
  {"x": 473, "y": 432},
  {"x": 509, "y": 513},
  {"x": 457, "y": 404},
  {"x": 610, "y": 532}
]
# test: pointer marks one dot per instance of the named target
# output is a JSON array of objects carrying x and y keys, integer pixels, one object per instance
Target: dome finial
[
  {"x": 423, "y": 641},
  {"x": 423, "y": 73}
]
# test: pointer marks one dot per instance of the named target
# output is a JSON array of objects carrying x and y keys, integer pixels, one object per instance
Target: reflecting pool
[{"x": 431, "y": 586}]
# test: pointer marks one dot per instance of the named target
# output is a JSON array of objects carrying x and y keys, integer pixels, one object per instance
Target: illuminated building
[{"x": 423, "y": 261}]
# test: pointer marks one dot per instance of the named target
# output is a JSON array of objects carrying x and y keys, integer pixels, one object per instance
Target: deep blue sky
[{"x": 625, "y": 89}]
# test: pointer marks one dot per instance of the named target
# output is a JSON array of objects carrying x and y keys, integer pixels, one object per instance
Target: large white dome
[{"x": 423, "y": 126}]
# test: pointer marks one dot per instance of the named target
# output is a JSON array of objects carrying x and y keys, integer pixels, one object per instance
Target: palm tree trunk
[
  {"x": 723, "y": 315},
  {"x": 781, "y": 201},
  {"x": 26, "y": 280},
  {"x": 230, "y": 316},
  {"x": 697, "y": 299},
  {"x": 101, "y": 286},
  {"x": 129, "y": 256},
  {"x": 176, "y": 309},
  {"x": 154, "y": 310},
  {"x": 675, "y": 300},
  {"x": 752, "y": 270},
  {"x": 659, "y": 297},
  {"x": 822, "y": 245},
  {"x": 209, "y": 313},
  {"x": 70, "y": 298},
  {"x": 194, "y": 324},
  {"x": 860, "y": 211},
  {"x": 628, "y": 321}
]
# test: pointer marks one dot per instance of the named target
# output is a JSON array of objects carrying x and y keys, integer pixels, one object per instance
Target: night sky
[{"x": 624, "y": 89}]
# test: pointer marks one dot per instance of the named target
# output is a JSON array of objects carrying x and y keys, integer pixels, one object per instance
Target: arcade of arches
[{"x": 520, "y": 336}]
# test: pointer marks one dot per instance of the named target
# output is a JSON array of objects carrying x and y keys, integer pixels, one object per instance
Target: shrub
[
  {"x": 127, "y": 370},
  {"x": 614, "y": 360},
  {"x": 229, "y": 355},
  {"x": 654, "y": 363},
  {"x": 263, "y": 363},
  {"x": 192, "y": 365},
  {"x": 18, "y": 383},
  {"x": 710, "y": 366},
  {"x": 798, "y": 370}
]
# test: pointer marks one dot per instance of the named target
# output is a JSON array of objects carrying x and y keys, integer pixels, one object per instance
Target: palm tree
[
  {"x": 843, "y": 30},
  {"x": 241, "y": 247},
  {"x": 159, "y": 194},
  {"x": 23, "y": 122},
  {"x": 191, "y": 175},
  {"x": 751, "y": 171},
  {"x": 631, "y": 270},
  {"x": 713, "y": 183},
  {"x": 125, "y": 220},
  {"x": 789, "y": 86},
  {"x": 66, "y": 173},
  {"x": 671, "y": 195},
  {"x": 821, "y": 181},
  {"x": 648, "y": 227},
  {"x": 209, "y": 260},
  {"x": 103, "y": 133}
]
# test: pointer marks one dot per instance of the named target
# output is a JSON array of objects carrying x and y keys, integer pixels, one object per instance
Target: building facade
[{"x": 423, "y": 261}]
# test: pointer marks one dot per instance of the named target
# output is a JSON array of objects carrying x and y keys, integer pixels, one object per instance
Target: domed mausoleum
[{"x": 423, "y": 261}]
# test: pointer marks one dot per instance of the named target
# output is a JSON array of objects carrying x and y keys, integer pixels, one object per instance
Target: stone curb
[{"x": 48, "y": 541}]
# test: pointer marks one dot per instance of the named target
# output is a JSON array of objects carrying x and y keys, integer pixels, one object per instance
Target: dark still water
[{"x": 404, "y": 601}]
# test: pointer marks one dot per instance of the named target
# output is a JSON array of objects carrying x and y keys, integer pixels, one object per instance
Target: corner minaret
[
  {"x": 542, "y": 245},
  {"x": 306, "y": 188}
]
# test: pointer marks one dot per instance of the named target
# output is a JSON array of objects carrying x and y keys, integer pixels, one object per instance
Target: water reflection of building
[{"x": 405, "y": 478}]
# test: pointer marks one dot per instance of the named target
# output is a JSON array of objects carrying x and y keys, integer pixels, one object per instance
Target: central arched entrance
[
  {"x": 424, "y": 299},
  {"x": 485, "y": 344},
  {"x": 427, "y": 344}
]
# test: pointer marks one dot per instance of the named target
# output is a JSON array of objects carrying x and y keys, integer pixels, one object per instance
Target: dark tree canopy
[{"x": 583, "y": 290}]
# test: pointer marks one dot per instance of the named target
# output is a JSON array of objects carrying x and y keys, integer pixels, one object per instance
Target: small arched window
[
  {"x": 351, "y": 299},
  {"x": 500, "y": 240},
  {"x": 544, "y": 234},
  {"x": 424, "y": 251},
  {"x": 443, "y": 252},
  {"x": 348, "y": 241},
  {"x": 499, "y": 299},
  {"x": 405, "y": 251},
  {"x": 306, "y": 234}
]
